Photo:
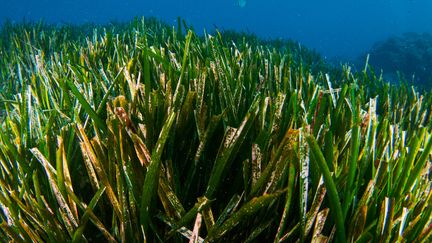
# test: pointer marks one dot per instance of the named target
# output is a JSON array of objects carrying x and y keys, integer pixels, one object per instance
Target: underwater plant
[{"x": 143, "y": 132}]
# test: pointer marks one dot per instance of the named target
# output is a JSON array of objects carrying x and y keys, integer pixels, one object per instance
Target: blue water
[{"x": 335, "y": 28}]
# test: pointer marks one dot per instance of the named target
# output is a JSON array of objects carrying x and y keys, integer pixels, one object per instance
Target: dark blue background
[{"x": 343, "y": 28}]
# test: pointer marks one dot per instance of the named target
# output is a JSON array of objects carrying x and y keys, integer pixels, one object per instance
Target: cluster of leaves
[
  {"x": 408, "y": 56},
  {"x": 298, "y": 53},
  {"x": 149, "y": 134}
]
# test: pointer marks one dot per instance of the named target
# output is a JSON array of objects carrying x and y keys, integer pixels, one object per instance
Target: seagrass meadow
[{"x": 142, "y": 132}]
